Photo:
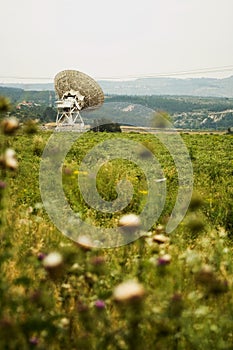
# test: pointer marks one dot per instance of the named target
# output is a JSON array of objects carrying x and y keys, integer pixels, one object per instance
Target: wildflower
[
  {"x": 2, "y": 185},
  {"x": 81, "y": 307},
  {"x": 85, "y": 242},
  {"x": 100, "y": 304},
  {"x": 128, "y": 291},
  {"x": 8, "y": 160},
  {"x": 176, "y": 306},
  {"x": 41, "y": 256},
  {"x": 64, "y": 322},
  {"x": 160, "y": 239},
  {"x": 97, "y": 260},
  {"x": 205, "y": 275},
  {"x": 34, "y": 341},
  {"x": 52, "y": 260},
  {"x": 130, "y": 223},
  {"x": 53, "y": 263},
  {"x": 160, "y": 228},
  {"x": 143, "y": 192},
  {"x": 67, "y": 171},
  {"x": 164, "y": 260},
  {"x": 9, "y": 125}
]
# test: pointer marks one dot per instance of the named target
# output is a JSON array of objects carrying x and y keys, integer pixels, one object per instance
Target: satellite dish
[{"x": 76, "y": 91}]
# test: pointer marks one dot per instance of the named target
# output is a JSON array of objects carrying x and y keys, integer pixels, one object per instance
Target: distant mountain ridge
[{"x": 203, "y": 87}]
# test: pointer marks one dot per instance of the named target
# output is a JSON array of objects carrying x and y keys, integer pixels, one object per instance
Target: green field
[{"x": 181, "y": 297}]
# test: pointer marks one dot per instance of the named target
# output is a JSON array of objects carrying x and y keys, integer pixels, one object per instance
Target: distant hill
[
  {"x": 202, "y": 87},
  {"x": 186, "y": 112}
]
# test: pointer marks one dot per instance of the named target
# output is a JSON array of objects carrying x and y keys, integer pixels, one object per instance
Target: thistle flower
[
  {"x": 176, "y": 305},
  {"x": 64, "y": 322},
  {"x": 98, "y": 260},
  {"x": 130, "y": 223},
  {"x": 2, "y": 185},
  {"x": 84, "y": 242},
  {"x": 8, "y": 160},
  {"x": 205, "y": 275},
  {"x": 100, "y": 304},
  {"x": 34, "y": 341},
  {"x": 160, "y": 239},
  {"x": 9, "y": 125},
  {"x": 128, "y": 291},
  {"x": 41, "y": 256},
  {"x": 164, "y": 260},
  {"x": 53, "y": 263},
  {"x": 52, "y": 260}
]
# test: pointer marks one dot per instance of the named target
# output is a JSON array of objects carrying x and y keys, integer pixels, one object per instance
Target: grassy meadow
[{"x": 163, "y": 291}]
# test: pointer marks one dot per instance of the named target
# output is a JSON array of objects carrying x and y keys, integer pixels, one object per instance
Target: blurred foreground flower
[
  {"x": 160, "y": 239},
  {"x": 8, "y": 159},
  {"x": 34, "y": 341},
  {"x": 129, "y": 223},
  {"x": 128, "y": 291},
  {"x": 4, "y": 104},
  {"x": 2, "y": 185},
  {"x": 207, "y": 277},
  {"x": 53, "y": 263},
  {"x": 100, "y": 304},
  {"x": 52, "y": 260},
  {"x": 164, "y": 260},
  {"x": 9, "y": 125},
  {"x": 84, "y": 242}
]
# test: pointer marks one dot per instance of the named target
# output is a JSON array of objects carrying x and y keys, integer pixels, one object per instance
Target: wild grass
[{"x": 185, "y": 301}]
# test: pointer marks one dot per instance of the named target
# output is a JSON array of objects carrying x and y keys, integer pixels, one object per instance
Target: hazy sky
[{"x": 115, "y": 38}]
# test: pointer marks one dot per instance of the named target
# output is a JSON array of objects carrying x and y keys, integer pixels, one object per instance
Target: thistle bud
[
  {"x": 130, "y": 223},
  {"x": 53, "y": 263},
  {"x": 8, "y": 160},
  {"x": 9, "y": 125},
  {"x": 128, "y": 291}
]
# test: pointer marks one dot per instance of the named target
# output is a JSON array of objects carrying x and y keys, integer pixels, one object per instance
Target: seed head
[
  {"x": 9, "y": 125},
  {"x": 128, "y": 291},
  {"x": 130, "y": 223},
  {"x": 8, "y": 159},
  {"x": 52, "y": 260},
  {"x": 164, "y": 260}
]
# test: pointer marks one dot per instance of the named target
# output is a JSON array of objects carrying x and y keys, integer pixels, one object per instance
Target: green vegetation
[
  {"x": 177, "y": 288},
  {"x": 187, "y": 112}
]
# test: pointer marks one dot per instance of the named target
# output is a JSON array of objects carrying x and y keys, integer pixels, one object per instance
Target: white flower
[
  {"x": 160, "y": 238},
  {"x": 85, "y": 242},
  {"x": 64, "y": 322},
  {"x": 9, "y": 125},
  {"x": 129, "y": 290},
  {"x": 130, "y": 223},
  {"x": 52, "y": 260},
  {"x": 9, "y": 160}
]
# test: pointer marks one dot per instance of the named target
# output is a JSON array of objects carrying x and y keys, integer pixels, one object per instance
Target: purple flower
[
  {"x": 2, "y": 185},
  {"x": 100, "y": 304},
  {"x": 33, "y": 341},
  {"x": 81, "y": 307},
  {"x": 164, "y": 260},
  {"x": 98, "y": 260},
  {"x": 41, "y": 256}
]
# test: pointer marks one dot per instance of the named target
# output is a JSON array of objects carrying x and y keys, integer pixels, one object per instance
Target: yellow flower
[
  {"x": 76, "y": 172},
  {"x": 143, "y": 192}
]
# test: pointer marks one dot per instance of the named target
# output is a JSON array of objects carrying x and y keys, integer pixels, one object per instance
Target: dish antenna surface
[{"x": 76, "y": 91}]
